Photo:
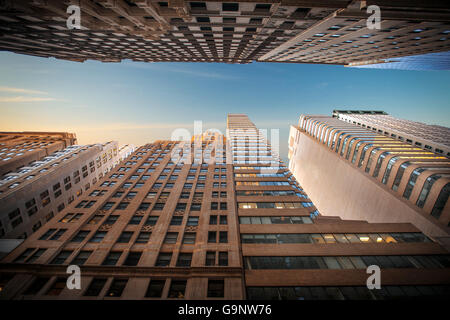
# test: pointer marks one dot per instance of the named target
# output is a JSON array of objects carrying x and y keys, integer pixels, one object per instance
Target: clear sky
[{"x": 140, "y": 102}]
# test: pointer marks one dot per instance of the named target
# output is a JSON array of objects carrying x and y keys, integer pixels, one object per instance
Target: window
[
  {"x": 81, "y": 258},
  {"x": 107, "y": 206},
  {"x": 143, "y": 237},
  {"x": 151, "y": 221},
  {"x": 177, "y": 289},
  {"x": 98, "y": 236},
  {"x": 133, "y": 258},
  {"x": 80, "y": 236},
  {"x": 57, "y": 287},
  {"x": 36, "y": 286},
  {"x": 36, "y": 255},
  {"x": 61, "y": 257},
  {"x": 212, "y": 220},
  {"x": 212, "y": 236},
  {"x": 189, "y": 237},
  {"x": 223, "y": 206},
  {"x": 125, "y": 237},
  {"x": 136, "y": 219},
  {"x": 111, "y": 219},
  {"x": 210, "y": 258},
  {"x": 176, "y": 221},
  {"x": 184, "y": 260},
  {"x": 58, "y": 234},
  {"x": 112, "y": 258},
  {"x": 96, "y": 219},
  {"x": 163, "y": 259},
  {"x": 223, "y": 236},
  {"x": 155, "y": 288},
  {"x": 223, "y": 258},
  {"x": 192, "y": 221},
  {"x": 196, "y": 207},
  {"x": 171, "y": 237},
  {"x": 117, "y": 287},
  {"x": 184, "y": 195},
  {"x": 158, "y": 206},
  {"x": 223, "y": 220},
  {"x": 95, "y": 287},
  {"x": 122, "y": 206},
  {"x": 230, "y": 6},
  {"x": 216, "y": 288}
]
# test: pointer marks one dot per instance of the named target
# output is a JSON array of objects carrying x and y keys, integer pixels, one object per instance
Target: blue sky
[{"x": 141, "y": 102}]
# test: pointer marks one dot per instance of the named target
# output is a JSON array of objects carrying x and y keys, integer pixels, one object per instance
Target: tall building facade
[
  {"x": 291, "y": 31},
  {"x": 216, "y": 217},
  {"x": 35, "y": 192},
  {"x": 372, "y": 167},
  {"x": 20, "y": 148}
]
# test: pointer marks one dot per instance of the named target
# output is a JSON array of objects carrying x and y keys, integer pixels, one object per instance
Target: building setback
[
  {"x": 362, "y": 171},
  {"x": 291, "y": 31},
  {"x": 219, "y": 225},
  {"x": 35, "y": 192}
]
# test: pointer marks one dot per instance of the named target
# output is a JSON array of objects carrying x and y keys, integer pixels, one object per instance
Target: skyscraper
[
  {"x": 368, "y": 165},
  {"x": 20, "y": 148},
  {"x": 295, "y": 31},
  {"x": 207, "y": 219},
  {"x": 33, "y": 193}
]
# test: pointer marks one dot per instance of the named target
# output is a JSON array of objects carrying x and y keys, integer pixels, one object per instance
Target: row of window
[
  {"x": 281, "y": 238},
  {"x": 275, "y": 220},
  {"x": 274, "y": 205},
  {"x": 177, "y": 288},
  {"x": 348, "y": 262},
  {"x": 259, "y": 193},
  {"x": 348, "y": 293}
]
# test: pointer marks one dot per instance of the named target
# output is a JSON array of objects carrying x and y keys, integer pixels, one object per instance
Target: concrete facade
[
  {"x": 321, "y": 159},
  {"x": 33, "y": 195}
]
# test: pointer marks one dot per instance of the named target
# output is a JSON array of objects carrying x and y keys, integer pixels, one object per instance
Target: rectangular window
[
  {"x": 223, "y": 258},
  {"x": 133, "y": 258},
  {"x": 176, "y": 221},
  {"x": 117, "y": 287},
  {"x": 223, "y": 220},
  {"x": 223, "y": 236},
  {"x": 177, "y": 289},
  {"x": 189, "y": 237},
  {"x": 216, "y": 288},
  {"x": 81, "y": 258},
  {"x": 151, "y": 221},
  {"x": 155, "y": 288},
  {"x": 95, "y": 287},
  {"x": 143, "y": 237},
  {"x": 61, "y": 257},
  {"x": 98, "y": 236},
  {"x": 80, "y": 236},
  {"x": 212, "y": 236},
  {"x": 125, "y": 237},
  {"x": 163, "y": 259},
  {"x": 112, "y": 258},
  {"x": 171, "y": 237},
  {"x": 192, "y": 221},
  {"x": 184, "y": 260},
  {"x": 210, "y": 258},
  {"x": 57, "y": 287}
]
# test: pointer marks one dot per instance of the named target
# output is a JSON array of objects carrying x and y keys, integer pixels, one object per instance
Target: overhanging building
[
  {"x": 291, "y": 31},
  {"x": 218, "y": 225}
]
